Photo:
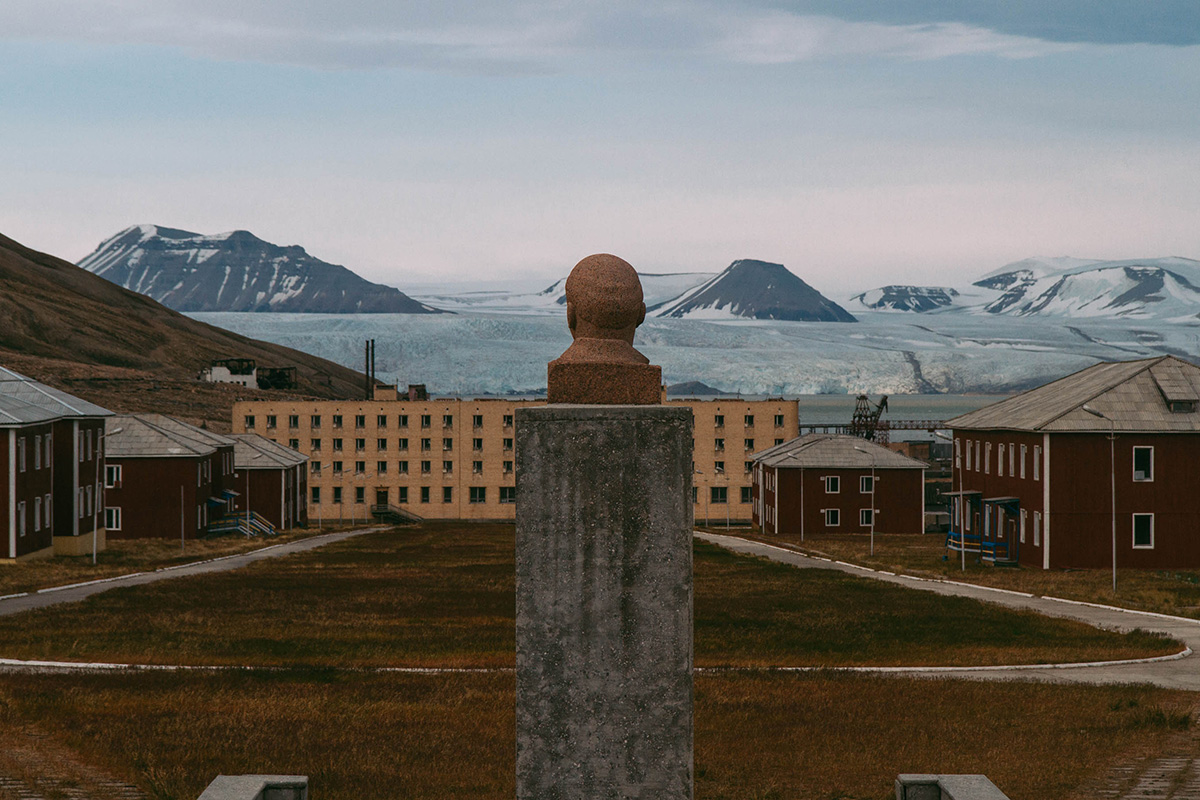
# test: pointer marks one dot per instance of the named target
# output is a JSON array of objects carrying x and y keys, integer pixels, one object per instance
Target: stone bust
[{"x": 604, "y": 309}]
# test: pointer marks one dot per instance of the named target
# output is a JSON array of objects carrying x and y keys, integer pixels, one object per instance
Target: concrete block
[
  {"x": 604, "y": 602},
  {"x": 257, "y": 787},
  {"x": 947, "y": 787}
]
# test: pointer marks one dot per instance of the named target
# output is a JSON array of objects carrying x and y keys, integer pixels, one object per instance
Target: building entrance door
[{"x": 381, "y": 497}]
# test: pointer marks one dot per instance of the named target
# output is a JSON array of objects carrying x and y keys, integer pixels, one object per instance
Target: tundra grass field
[{"x": 442, "y": 595}]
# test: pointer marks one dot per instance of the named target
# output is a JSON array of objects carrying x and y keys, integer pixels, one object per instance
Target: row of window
[
  {"x": 833, "y": 517},
  {"x": 381, "y": 421},
  {"x": 747, "y": 420},
  {"x": 381, "y": 467},
  {"x": 475, "y": 494},
  {"x": 833, "y": 484},
  {"x": 43, "y": 454},
  {"x": 39, "y": 516},
  {"x": 747, "y": 445},
  {"x": 381, "y": 445},
  {"x": 720, "y": 494},
  {"x": 1143, "y": 459}
]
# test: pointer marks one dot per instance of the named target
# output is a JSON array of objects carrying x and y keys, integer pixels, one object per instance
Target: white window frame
[
  {"x": 1012, "y": 458},
  {"x": 49, "y": 516},
  {"x": 37, "y": 514},
  {"x": 863, "y": 480},
  {"x": 112, "y": 475},
  {"x": 21, "y": 518},
  {"x": 968, "y": 455},
  {"x": 1037, "y": 528},
  {"x": 835, "y": 514},
  {"x": 21, "y": 454},
  {"x": 112, "y": 518},
  {"x": 835, "y": 481},
  {"x": 1000, "y": 461},
  {"x": 1024, "y": 514},
  {"x": 1024, "y": 455},
  {"x": 37, "y": 452},
  {"x": 957, "y": 454},
  {"x": 1037, "y": 462},
  {"x": 864, "y": 515},
  {"x": 987, "y": 460},
  {"x": 1133, "y": 532},
  {"x": 1133, "y": 465}
]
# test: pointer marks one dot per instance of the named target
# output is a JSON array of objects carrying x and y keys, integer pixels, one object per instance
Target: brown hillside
[{"x": 67, "y": 327}]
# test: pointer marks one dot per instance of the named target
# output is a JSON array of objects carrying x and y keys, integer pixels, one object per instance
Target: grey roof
[
  {"x": 1132, "y": 394},
  {"x": 251, "y": 451},
  {"x": 24, "y": 400},
  {"x": 158, "y": 436},
  {"x": 834, "y": 451}
]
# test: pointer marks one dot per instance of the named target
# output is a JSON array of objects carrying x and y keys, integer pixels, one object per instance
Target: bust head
[{"x": 604, "y": 299}]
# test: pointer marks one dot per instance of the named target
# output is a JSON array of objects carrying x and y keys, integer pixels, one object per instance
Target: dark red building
[
  {"x": 272, "y": 480},
  {"x": 52, "y": 449},
  {"x": 823, "y": 483},
  {"x": 1034, "y": 474},
  {"x": 165, "y": 478}
]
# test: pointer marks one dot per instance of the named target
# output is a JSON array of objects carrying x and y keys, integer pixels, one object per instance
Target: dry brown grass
[
  {"x": 442, "y": 595},
  {"x": 123, "y": 557},
  {"x": 1162, "y": 591},
  {"x": 809, "y": 737}
]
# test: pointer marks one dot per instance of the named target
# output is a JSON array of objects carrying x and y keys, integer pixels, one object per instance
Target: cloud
[{"x": 538, "y": 35}]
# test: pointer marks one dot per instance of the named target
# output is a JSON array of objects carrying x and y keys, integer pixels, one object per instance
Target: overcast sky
[{"x": 859, "y": 142}]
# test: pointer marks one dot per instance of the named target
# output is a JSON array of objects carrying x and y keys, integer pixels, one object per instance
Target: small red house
[
  {"x": 824, "y": 483},
  {"x": 165, "y": 478},
  {"x": 52, "y": 454},
  {"x": 1035, "y": 474},
  {"x": 272, "y": 479}
]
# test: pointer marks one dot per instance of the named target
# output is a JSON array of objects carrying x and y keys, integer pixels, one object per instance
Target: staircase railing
[{"x": 248, "y": 525}]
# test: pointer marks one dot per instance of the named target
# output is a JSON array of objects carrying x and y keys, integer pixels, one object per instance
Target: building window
[
  {"x": 21, "y": 453},
  {"x": 1143, "y": 531},
  {"x": 718, "y": 494},
  {"x": 447, "y": 443},
  {"x": 337, "y": 495},
  {"x": 426, "y": 445},
  {"x": 293, "y": 421},
  {"x": 508, "y": 420},
  {"x": 270, "y": 420},
  {"x": 402, "y": 445},
  {"x": 402, "y": 467},
  {"x": 447, "y": 494},
  {"x": 381, "y": 444},
  {"x": 1024, "y": 452},
  {"x": 360, "y": 467},
  {"x": 746, "y": 494},
  {"x": 987, "y": 462},
  {"x": 747, "y": 467},
  {"x": 112, "y": 476},
  {"x": 749, "y": 420},
  {"x": 315, "y": 467},
  {"x": 112, "y": 518},
  {"x": 249, "y": 422},
  {"x": 37, "y": 514},
  {"x": 315, "y": 421},
  {"x": 447, "y": 420},
  {"x": 719, "y": 467},
  {"x": 1000, "y": 460},
  {"x": 477, "y": 494},
  {"x": 694, "y": 496},
  {"x": 294, "y": 444},
  {"x": 477, "y": 445},
  {"x": 316, "y": 495},
  {"x": 337, "y": 420},
  {"x": 1012, "y": 457},
  {"x": 833, "y": 484},
  {"x": 314, "y": 445},
  {"x": 381, "y": 420},
  {"x": 978, "y": 444},
  {"x": 866, "y": 484},
  {"x": 957, "y": 454},
  {"x": 381, "y": 467},
  {"x": 477, "y": 421},
  {"x": 360, "y": 494},
  {"x": 337, "y": 468},
  {"x": 1037, "y": 462},
  {"x": 779, "y": 420},
  {"x": 865, "y": 517},
  {"x": 1037, "y": 527},
  {"x": 748, "y": 445},
  {"x": 37, "y": 452},
  {"x": 360, "y": 420},
  {"x": 508, "y": 467},
  {"x": 779, "y": 441},
  {"x": 477, "y": 467},
  {"x": 719, "y": 445},
  {"x": 426, "y": 467},
  {"x": 447, "y": 467},
  {"x": 424, "y": 494},
  {"x": 508, "y": 444},
  {"x": 508, "y": 494},
  {"x": 968, "y": 455},
  {"x": 719, "y": 420},
  {"x": 1022, "y": 524},
  {"x": 337, "y": 445},
  {"x": 1143, "y": 463},
  {"x": 426, "y": 421},
  {"x": 403, "y": 494},
  {"x": 360, "y": 445},
  {"x": 833, "y": 517}
]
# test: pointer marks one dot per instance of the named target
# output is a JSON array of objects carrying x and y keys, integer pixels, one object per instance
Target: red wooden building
[
  {"x": 165, "y": 478},
  {"x": 1034, "y": 474},
  {"x": 823, "y": 483},
  {"x": 51, "y": 465},
  {"x": 272, "y": 480}
]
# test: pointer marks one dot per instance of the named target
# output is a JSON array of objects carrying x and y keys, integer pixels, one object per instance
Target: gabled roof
[
  {"x": 251, "y": 451},
  {"x": 834, "y": 451},
  {"x": 1134, "y": 395},
  {"x": 24, "y": 400},
  {"x": 158, "y": 436}
]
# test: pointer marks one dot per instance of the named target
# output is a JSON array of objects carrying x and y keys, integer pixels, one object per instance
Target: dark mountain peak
[
  {"x": 237, "y": 271},
  {"x": 756, "y": 290}
]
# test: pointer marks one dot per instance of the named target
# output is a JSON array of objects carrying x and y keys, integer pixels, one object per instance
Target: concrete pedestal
[{"x": 604, "y": 602}]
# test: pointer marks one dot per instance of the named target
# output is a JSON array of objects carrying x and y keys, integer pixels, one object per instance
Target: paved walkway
[
  {"x": 1172, "y": 673},
  {"x": 15, "y": 604}
]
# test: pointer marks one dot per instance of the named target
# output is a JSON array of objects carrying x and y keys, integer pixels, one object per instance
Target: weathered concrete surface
[
  {"x": 604, "y": 603},
  {"x": 947, "y": 787},
  {"x": 257, "y": 787}
]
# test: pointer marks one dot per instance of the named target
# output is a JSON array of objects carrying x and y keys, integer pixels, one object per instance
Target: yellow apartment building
[{"x": 453, "y": 458}]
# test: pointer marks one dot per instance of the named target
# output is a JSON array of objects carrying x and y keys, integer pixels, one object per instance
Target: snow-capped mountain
[
  {"x": 1158, "y": 288},
  {"x": 754, "y": 290},
  {"x": 237, "y": 271},
  {"x": 907, "y": 298}
]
